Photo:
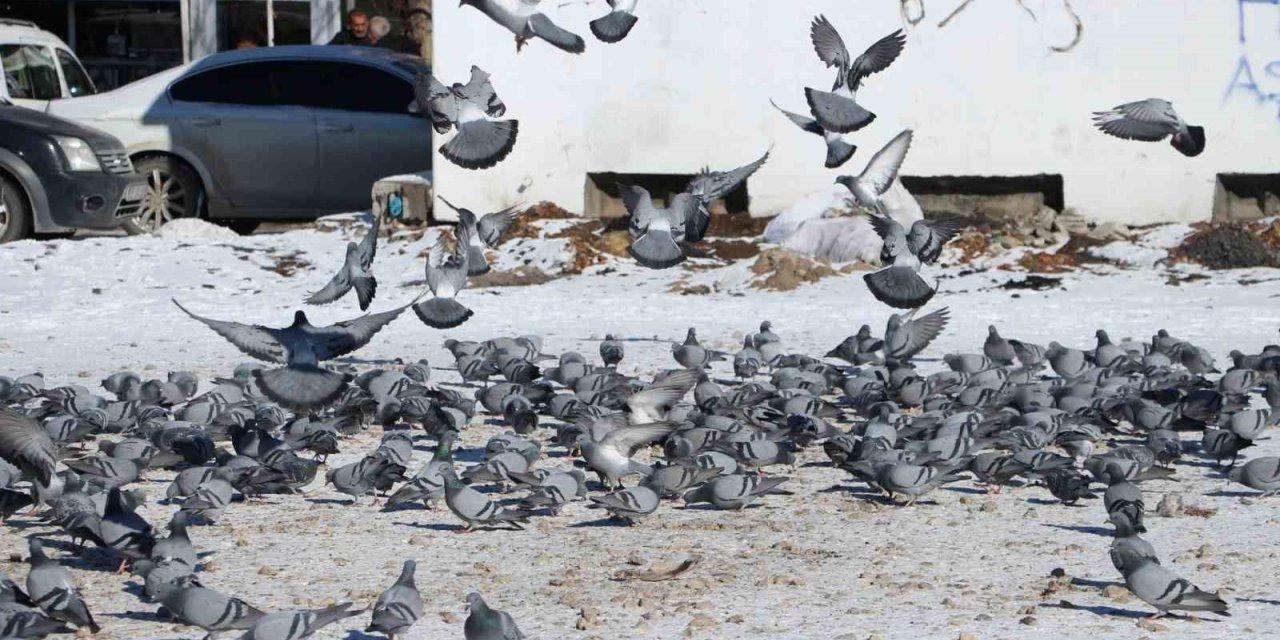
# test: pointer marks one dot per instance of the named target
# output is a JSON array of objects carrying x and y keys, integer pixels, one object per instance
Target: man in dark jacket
[{"x": 357, "y": 31}]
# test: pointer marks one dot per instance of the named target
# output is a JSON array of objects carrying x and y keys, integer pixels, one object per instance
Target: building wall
[{"x": 691, "y": 86}]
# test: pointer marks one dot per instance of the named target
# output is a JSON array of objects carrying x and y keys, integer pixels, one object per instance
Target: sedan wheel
[{"x": 173, "y": 192}]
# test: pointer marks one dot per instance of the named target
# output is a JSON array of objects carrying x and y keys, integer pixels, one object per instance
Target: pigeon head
[
  {"x": 1102, "y": 336},
  {"x": 1236, "y": 473},
  {"x": 865, "y": 331},
  {"x": 474, "y": 601},
  {"x": 1191, "y": 144},
  {"x": 300, "y": 318}
]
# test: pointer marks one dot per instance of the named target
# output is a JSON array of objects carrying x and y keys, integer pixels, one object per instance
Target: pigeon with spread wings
[
  {"x": 302, "y": 383},
  {"x": 526, "y": 20},
  {"x": 446, "y": 277},
  {"x": 838, "y": 110},
  {"x": 656, "y": 233},
  {"x": 839, "y": 149},
  {"x": 709, "y": 186},
  {"x": 880, "y": 173},
  {"x": 1151, "y": 120},
  {"x": 482, "y": 140},
  {"x": 484, "y": 231},
  {"x": 355, "y": 272}
]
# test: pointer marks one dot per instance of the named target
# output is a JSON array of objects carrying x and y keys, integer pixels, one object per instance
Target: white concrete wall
[{"x": 691, "y": 86}]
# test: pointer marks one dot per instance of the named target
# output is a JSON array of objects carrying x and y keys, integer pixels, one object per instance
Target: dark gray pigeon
[
  {"x": 709, "y": 186},
  {"x": 838, "y": 110},
  {"x": 616, "y": 24},
  {"x": 447, "y": 267},
  {"x": 399, "y": 607},
  {"x": 657, "y": 232},
  {"x": 611, "y": 351},
  {"x": 355, "y": 271},
  {"x": 485, "y": 231},
  {"x": 1151, "y": 120},
  {"x": 484, "y": 623},
  {"x": 482, "y": 141},
  {"x": 839, "y": 146},
  {"x": 526, "y": 20},
  {"x": 302, "y": 383}
]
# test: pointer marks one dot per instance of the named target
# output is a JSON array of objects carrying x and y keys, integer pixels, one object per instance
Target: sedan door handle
[
  {"x": 206, "y": 122},
  {"x": 337, "y": 128}
]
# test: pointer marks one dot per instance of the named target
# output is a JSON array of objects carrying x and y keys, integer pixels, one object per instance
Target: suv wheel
[
  {"x": 15, "y": 216},
  {"x": 173, "y": 191}
]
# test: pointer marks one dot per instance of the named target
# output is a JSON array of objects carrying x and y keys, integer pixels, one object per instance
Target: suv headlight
[{"x": 78, "y": 154}]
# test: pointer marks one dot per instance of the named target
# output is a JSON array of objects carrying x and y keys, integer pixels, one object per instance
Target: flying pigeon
[
  {"x": 611, "y": 457},
  {"x": 905, "y": 337},
  {"x": 301, "y": 383},
  {"x": 899, "y": 283},
  {"x": 655, "y": 233},
  {"x": 484, "y": 623},
  {"x": 1151, "y": 120},
  {"x": 709, "y": 186},
  {"x": 525, "y": 19},
  {"x": 879, "y": 174},
  {"x": 446, "y": 277},
  {"x": 839, "y": 148},
  {"x": 355, "y": 271},
  {"x": 616, "y": 24},
  {"x": 838, "y": 110},
  {"x": 482, "y": 141},
  {"x": 484, "y": 231}
]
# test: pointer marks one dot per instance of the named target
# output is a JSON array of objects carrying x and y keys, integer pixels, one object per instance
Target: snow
[
  {"x": 195, "y": 229},
  {"x": 821, "y": 225},
  {"x": 824, "y": 562}
]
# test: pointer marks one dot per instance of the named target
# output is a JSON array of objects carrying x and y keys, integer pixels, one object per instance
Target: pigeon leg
[
  {"x": 124, "y": 564},
  {"x": 520, "y": 42},
  {"x": 466, "y": 529}
]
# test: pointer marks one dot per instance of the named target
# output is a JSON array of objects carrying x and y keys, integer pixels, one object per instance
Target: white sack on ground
[{"x": 845, "y": 238}]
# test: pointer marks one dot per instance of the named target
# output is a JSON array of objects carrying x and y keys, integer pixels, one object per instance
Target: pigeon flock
[{"x": 720, "y": 430}]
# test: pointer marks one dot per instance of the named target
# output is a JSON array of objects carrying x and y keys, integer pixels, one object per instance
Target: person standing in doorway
[
  {"x": 357, "y": 31},
  {"x": 379, "y": 29}
]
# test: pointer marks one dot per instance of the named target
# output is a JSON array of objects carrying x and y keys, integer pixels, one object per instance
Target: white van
[{"x": 38, "y": 66}]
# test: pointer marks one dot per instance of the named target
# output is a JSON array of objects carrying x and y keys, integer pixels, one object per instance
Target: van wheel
[
  {"x": 173, "y": 191},
  {"x": 15, "y": 215}
]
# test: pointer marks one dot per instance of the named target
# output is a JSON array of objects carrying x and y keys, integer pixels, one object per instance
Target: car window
[
  {"x": 357, "y": 87},
  {"x": 29, "y": 73},
  {"x": 268, "y": 83},
  {"x": 78, "y": 82}
]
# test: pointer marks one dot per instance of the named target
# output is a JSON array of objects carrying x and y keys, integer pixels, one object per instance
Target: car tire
[
  {"x": 15, "y": 214},
  {"x": 173, "y": 191}
]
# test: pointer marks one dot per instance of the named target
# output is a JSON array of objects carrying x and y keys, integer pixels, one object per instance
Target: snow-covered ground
[{"x": 824, "y": 562}]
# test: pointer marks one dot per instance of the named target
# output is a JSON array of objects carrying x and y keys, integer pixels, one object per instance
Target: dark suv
[{"x": 57, "y": 176}]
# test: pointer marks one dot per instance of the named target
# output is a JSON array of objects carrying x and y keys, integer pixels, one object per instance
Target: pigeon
[
  {"x": 733, "y": 491},
  {"x": 482, "y": 140},
  {"x": 655, "y": 402},
  {"x": 177, "y": 546},
  {"x": 125, "y": 531},
  {"x": 1151, "y": 120},
  {"x": 611, "y": 351},
  {"x": 611, "y": 457},
  {"x": 905, "y": 337},
  {"x": 912, "y": 480},
  {"x": 899, "y": 283},
  {"x": 1068, "y": 485},
  {"x": 1262, "y": 474},
  {"x": 999, "y": 350},
  {"x": 28, "y": 447},
  {"x": 838, "y": 110},
  {"x": 629, "y": 504},
  {"x": 552, "y": 490},
  {"x": 709, "y": 186},
  {"x": 293, "y": 625},
  {"x": 50, "y": 587},
  {"x": 616, "y": 24},
  {"x": 525, "y": 19},
  {"x": 839, "y": 148},
  {"x": 428, "y": 484},
  {"x": 879, "y": 174},
  {"x": 21, "y": 622},
  {"x": 473, "y": 507},
  {"x": 692, "y": 355},
  {"x": 446, "y": 277},
  {"x": 355, "y": 272},
  {"x": 399, "y": 607},
  {"x": 208, "y": 609},
  {"x": 655, "y": 233},
  {"x": 484, "y": 231},
  {"x": 1127, "y": 547},
  {"x": 1161, "y": 588},
  {"x": 302, "y": 383}
]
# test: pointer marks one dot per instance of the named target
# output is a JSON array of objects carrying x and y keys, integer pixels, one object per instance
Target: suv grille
[{"x": 115, "y": 162}]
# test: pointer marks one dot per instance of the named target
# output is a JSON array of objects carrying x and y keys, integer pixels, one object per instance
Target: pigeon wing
[
  {"x": 877, "y": 57},
  {"x": 718, "y": 184},
  {"x": 24, "y": 444},
  {"x": 630, "y": 439},
  {"x": 256, "y": 341},
  {"x": 544, "y": 28},
  {"x": 804, "y": 122},
  {"x": 447, "y": 263},
  {"x": 369, "y": 245},
  {"x": 337, "y": 287},
  {"x": 883, "y": 167},
  {"x": 927, "y": 238},
  {"x": 480, "y": 91},
  {"x": 344, "y": 337},
  {"x": 922, "y": 331},
  {"x": 492, "y": 226},
  {"x": 664, "y": 393},
  {"x": 828, "y": 44},
  {"x": 1149, "y": 120},
  {"x": 436, "y": 101}
]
